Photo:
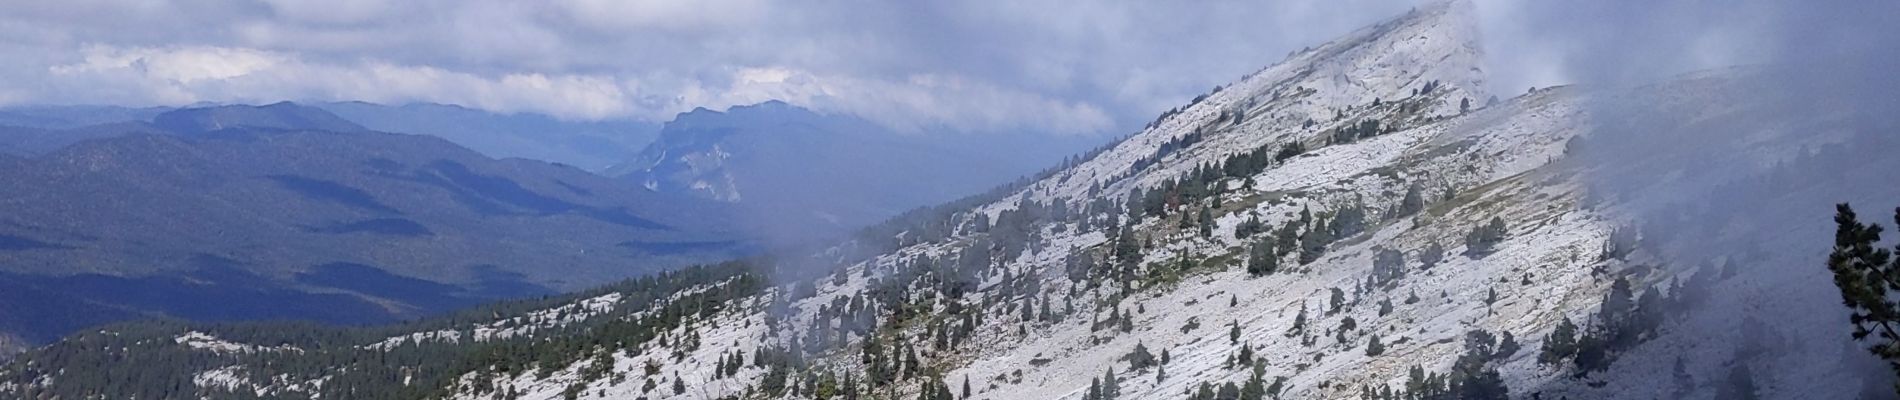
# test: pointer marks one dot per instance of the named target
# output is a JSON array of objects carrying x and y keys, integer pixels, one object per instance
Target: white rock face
[{"x": 207, "y": 342}]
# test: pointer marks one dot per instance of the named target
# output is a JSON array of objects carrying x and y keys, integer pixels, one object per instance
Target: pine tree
[
  {"x": 1684, "y": 383},
  {"x": 1299, "y": 323},
  {"x": 1313, "y": 242},
  {"x": 1507, "y": 347},
  {"x": 1337, "y": 300},
  {"x": 1255, "y": 388},
  {"x": 1867, "y": 277},
  {"x": 1139, "y": 358},
  {"x": 1373, "y": 347},
  {"x": 1431, "y": 255},
  {"x": 1127, "y": 247},
  {"x": 1228, "y": 391},
  {"x": 1483, "y": 237},
  {"x": 1262, "y": 259},
  {"x": 1388, "y": 266},
  {"x": 1592, "y": 353},
  {"x": 1413, "y": 202},
  {"x": 1207, "y": 222},
  {"x": 1560, "y": 344},
  {"x": 1739, "y": 386},
  {"x": 1249, "y": 227}
]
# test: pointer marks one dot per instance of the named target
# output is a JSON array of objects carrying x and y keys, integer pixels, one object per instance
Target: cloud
[
  {"x": 1096, "y": 66},
  {"x": 182, "y": 65},
  {"x": 1631, "y": 42},
  {"x": 680, "y": 16},
  {"x": 918, "y": 103},
  {"x": 1091, "y": 66},
  {"x": 184, "y": 75},
  {"x": 1083, "y": 66}
]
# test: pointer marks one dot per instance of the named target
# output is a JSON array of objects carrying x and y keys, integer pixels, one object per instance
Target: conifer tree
[
  {"x": 1228, "y": 391},
  {"x": 1299, "y": 323},
  {"x": 1256, "y": 386},
  {"x": 1560, "y": 344},
  {"x": 1314, "y": 240},
  {"x": 1483, "y": 237},
  {"x": 1867, "y": 276},
  {"x": 1388, "y": 266},
  {"x": 1207, "y": 222},
  {"x": 1262, "y": 259},
  {"x": 1684, "y": 383},
  {"x": 1413, "y": 202},
  {"x": 1431, "y": 255},
  {"x": 1337, "y": 300},
  {"x": 1139, "y": 358},
  {"x": 1740, "y": 385}
]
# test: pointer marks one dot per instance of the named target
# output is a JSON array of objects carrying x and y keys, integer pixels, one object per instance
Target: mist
[{"x": 1723, "y": 133}]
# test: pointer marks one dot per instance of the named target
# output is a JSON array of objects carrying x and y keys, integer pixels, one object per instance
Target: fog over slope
[{"x": 1735, "y": 171}]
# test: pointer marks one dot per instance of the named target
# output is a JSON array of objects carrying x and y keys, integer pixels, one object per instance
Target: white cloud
[
  {"x": 184, "y": 75},
  {"x": 332, "y": 11},
  {"x": 181, "y": 65},
  {"x": 919, "y": 102},
  {"x": 684, "y": 16},
  {"x": 1092, "y": 66}
]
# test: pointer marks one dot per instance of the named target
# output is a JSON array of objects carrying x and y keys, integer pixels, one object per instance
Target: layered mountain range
[{"x": 290, "y": 212}]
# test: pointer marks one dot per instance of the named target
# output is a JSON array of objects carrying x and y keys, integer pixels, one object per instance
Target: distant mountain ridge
[
  {"x": 286, "y": 211},
  {"x": 590, "y": 145},
  {"x": 793, "y": 167},
  {"x": 281, "y": 115},
  {"x": 74, "y": 116}
]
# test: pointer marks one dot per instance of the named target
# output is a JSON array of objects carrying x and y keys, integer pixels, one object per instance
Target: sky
[
  {"x": 1066, "y": 67},
  {"x": 1092, "y": 67}
]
